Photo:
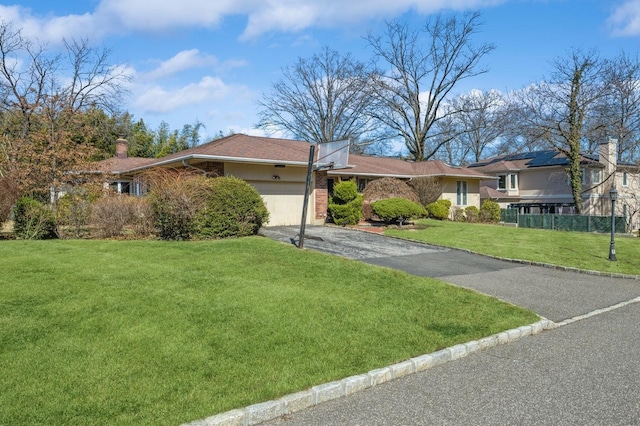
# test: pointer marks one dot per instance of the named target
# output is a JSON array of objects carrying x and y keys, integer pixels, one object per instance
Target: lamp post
[{"x": 613, "y": 194}]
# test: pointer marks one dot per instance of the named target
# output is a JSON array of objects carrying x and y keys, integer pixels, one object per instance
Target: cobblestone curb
[{"x": 265, "y": 411}]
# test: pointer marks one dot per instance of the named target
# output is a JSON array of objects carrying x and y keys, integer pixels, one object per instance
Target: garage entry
[{"x": 284, "y": 201}]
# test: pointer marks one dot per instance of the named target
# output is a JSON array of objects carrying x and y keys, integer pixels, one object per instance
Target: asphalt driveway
[{"x": 553, "y": 294}]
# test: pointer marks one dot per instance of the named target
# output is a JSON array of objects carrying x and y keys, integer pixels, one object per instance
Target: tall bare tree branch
[
  {"x": 422, "y": 68},
  {"x": 321, "y": 99}
]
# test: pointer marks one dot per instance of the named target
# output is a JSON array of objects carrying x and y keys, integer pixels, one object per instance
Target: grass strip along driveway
[
  {"x": 589, "y": 251},
  {"x": 150, "y": 332}
]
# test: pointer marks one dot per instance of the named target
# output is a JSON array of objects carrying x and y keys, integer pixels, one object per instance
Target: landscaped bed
[{"x": 150, "y": 332}]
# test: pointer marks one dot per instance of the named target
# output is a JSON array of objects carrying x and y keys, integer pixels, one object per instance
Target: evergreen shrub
[
  {"x": 381, "y": 189},
  {"x": 232, "y": 208},
  {"x": 490, "y": 211},
  {"x": 33, "y": 220},
  {"x": 345, "y": 206},
  {"x": 187, "y": 206},
  {"x": 393, "y": 210},
  {"x": 439, "y": 209}
]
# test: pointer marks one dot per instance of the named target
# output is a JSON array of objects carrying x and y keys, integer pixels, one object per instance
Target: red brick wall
[{"x": 322, "y": 194}]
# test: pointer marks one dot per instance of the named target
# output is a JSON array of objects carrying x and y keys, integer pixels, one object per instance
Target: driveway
[{"x": 553, "y": 294}]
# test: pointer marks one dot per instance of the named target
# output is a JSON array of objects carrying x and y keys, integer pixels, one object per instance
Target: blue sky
[{"x": 212, "y": 60}]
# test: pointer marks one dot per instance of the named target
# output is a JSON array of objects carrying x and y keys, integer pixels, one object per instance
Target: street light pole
[{"x": 613, "y": 194}]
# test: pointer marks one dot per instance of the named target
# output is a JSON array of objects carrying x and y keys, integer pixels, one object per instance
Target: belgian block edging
[{"x": 265, "y": 411}]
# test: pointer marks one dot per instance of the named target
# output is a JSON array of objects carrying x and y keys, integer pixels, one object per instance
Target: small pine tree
[{"x": 345, "y": 206}]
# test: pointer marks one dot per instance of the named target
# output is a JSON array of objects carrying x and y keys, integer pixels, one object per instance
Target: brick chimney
[{"x": 121, "y": 148}]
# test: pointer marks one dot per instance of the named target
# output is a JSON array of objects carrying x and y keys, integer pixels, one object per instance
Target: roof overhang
[
  {"x": 405, "y": 176},
  {"x": 178, "y": 161}
]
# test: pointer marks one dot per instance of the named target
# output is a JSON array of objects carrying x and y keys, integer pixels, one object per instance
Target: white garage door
[{"x": 284, "y": 201}]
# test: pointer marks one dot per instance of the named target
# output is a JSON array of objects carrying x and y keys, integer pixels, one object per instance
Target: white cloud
[
  {"x": 625, "y": 19},
  {"x": 182, "y": 61},
  {"x": 160, "y": 100},
  {"x": 296, "y": 15},
  {"x": 113, "y": 17}
]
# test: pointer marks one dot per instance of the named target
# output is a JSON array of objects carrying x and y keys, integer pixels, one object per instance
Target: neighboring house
[
  {"x": 459, "y": 185},
  {"x": 277, "y": 168},
  {"x": 538, "y": 182}
]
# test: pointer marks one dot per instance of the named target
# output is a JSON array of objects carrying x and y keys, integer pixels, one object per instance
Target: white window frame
[
  {"x": 462, "y": 190},
  {"x": 513, "y": 181},
  {"x": 625, "y": 179},
  {"x": 596, "y": 176}
]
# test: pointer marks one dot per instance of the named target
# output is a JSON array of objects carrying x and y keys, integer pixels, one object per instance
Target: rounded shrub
[
  {"x": 397, "y": 210},
  {"x": 232, "y": 208},
  {"x": 347, "y": 214},
  {"x": 344, "y": 192},
  {"x": 33, "y": 220},
  {"x": 381, "y": 189},
  {"x": 345, "y": 206},
  {"x": 439, "y": 209},
  {"x": 490, "y": 211},
  {"x": 471, "y": 214}
]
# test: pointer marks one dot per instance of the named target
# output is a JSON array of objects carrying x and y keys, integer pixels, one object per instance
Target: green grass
[
  {"x": 581, "y": 250},
  {"x": 150, "y": 332}
]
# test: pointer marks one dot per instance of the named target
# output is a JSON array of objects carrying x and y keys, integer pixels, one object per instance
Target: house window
[
  {"x": 502, "y": 182},
  {"x": 596, "y": 176},
  {"x": 513, "y": 181},
  {"x": 461, "y": 193},
  {"x": 625, "y": 179},
  {"x": 583, "y": 177},
  {"x": 121, "y": 187},
  {"x": 362, "y": 184},
  {"x": 139, "y": 186}
]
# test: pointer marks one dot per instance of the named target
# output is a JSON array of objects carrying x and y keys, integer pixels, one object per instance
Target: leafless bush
[
  {"x": 118, "y": 215},
  {"x": 427, "y": 188},
  {"x": 142, "y": 217},
  {"x": 175, "y": 198}
]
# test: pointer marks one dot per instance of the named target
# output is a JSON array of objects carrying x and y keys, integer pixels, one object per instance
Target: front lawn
[
  {"x": 150, "y": 332},
  {"x": 581, "y": 250}
]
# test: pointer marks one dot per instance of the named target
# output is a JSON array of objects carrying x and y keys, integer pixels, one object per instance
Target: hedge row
[{"x": 179, "y": 207}]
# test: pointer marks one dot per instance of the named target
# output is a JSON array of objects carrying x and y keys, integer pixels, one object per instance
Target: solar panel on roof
[{"x": 546, "y": 158}]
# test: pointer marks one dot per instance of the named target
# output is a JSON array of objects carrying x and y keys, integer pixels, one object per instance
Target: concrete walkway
[{"x": 584, "y": 372}]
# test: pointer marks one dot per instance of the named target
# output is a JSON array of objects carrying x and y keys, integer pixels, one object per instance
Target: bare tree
[
  {"x": 44, "y": 96},
  {"x": 557, "y": 109},
  {"x": 617, "y": 114},
  {"x": 321, "y": 99},
  {"x": 477, "y": 122},
  {"x": 422, "y": 68}
]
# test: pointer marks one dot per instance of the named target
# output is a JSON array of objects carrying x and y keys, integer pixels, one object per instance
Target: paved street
[{"x": 586, "y": 372}]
